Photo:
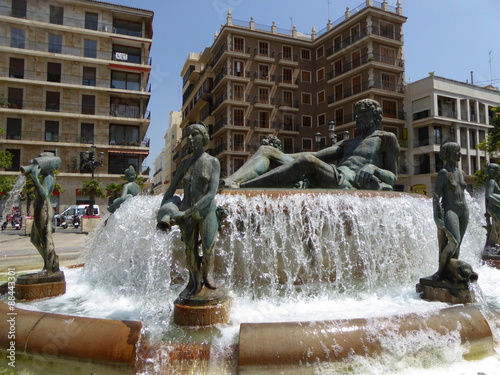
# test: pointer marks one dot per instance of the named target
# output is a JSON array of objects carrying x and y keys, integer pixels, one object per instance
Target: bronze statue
[
  {"x": 451, "y": 216},
  {"x": 196, "y": 213},
  {"x": 368, "y": 161},
  {"x": 41, "y": 233},
  {"x": 129, "y": 190},
  {"x": 492, "y": 201}
]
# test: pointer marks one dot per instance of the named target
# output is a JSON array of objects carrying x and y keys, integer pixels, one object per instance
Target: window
[
  {"x": 14, "y": 128},
  {"x": 306, "y": 98},
  {"x": 87, "y": 133},
  {"x": 472, "y": 139},
  {"x": 288, "y": 145},
  {"x": 55, "y": 43},
  {"x": 337, "y": 43},
  {"x": 263, "y": 49},
  {"x": 355, "y": 33},
  {"x": 89, "y": 76},
  {"x": 127, "y": 28},
  {"x": 321, "y": 119},
  {"x": 263, "y": 95},
  {"x": 56, "y": 15},
  {"x": 387, "y": 30},
  {"x": 438, "y": 135},
  {"x": 90, "y": 48},
  {"x": 237, "y": 163},
  {"x": 16, "y": 68},
  {"x": 307, "y": 121},
  {"x": 15, "y": 98},
  {"x": 264, "y": 72},
  {"x": 389, "y": 108},
  {"x": 17, "y": 38},
  {"x": 287, "y": 53},
  {"x": 337, "y": 67},
  {"x": 88, "y": 104},
  {"x": 287, "y": 98},
  {"x": 306, "y": 144},
  {"x": 239, "y": 93},
  {"x": 124, "y": 135},
  {"x": 16, "y": 159},
  {"x": 52, "y": 102},
  {"x": 320, "y": 51},
  {"x": 356, "y": 59},
  {"x": 125, "y": 80},
  {"x": 119, "y": 162},
  {"x": 51, "y": 131},
  {"x": 305, "y": 76},
  {"x": 320, "y": 74},
  {"x": 238, "y": 142},
  {"x": 288, "y": 121},
  {"x": 91, "y": 20},
  {"x": 121, "y": 107},
  {"x": 305, "y": 54},
  {"x": 356, "y": 85},
  {"x": 239, "y": 44},
  {"x": 321, "y": 96},
  {"x": 339, "y": 116},
  {"x": 53, "y": 72},
  {"x": 239, "y": 68},
  {"x": 287, "y": 75},
  {"x": 125, "y": 53},
  {"x": 263, "y": 119},
  {"x": 239, "y": 117},
  {"x": 19, "y": 8},
  {"x": 387, "y": 55},
  {"x": 338, "y": 92},
  {"x": 388, "y": 82}
]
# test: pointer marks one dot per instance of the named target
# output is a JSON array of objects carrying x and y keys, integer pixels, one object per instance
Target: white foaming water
[
  {"x": 13, "y": 197},
  {"x": 295, "y": 258}
]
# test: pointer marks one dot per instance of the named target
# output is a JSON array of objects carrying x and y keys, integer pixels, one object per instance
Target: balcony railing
[
  {"x": 65, "y": 107},
  {"x": 41, "y": 15}
]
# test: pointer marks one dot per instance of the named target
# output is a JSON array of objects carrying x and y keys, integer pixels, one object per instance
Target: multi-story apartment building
[
  {"x": 164, "y": 163},
  {"x": 75, "y": 73},
  {"x": 256, "y": 80},
  {"x": 441, "y": 110}
]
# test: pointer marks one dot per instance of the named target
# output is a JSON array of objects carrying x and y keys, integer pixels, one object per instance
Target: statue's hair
[
  {"x": 130, "y": 171},
  {"x": 373, "y": 106},
  {"x": 491, "y": 168},
  {"x": 203, "y": 130},
  {"x": 447, "y": 149}
]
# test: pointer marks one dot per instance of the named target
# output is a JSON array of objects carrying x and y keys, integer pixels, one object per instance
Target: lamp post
[
  {"x": 331, "y": 132},
  {"x": 90, "y": 161},
  {"x": 317, "y": 138}
]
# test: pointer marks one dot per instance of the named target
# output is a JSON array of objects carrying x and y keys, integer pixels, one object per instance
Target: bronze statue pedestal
[
  {"x": 207, "y": 308},
  {"x": 491, "y": 257},
  {"x": 40, "y": 285},
  {"x": 444, "y": 291}
]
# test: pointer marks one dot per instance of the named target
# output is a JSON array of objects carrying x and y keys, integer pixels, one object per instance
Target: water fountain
[{"x": 292, "y": 258}]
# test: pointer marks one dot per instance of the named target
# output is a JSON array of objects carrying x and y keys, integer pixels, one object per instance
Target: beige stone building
[
  {"x": 440, "y": 110},
  {"x": 258, "y": 80},
  {"x": 75, "y": 73}
]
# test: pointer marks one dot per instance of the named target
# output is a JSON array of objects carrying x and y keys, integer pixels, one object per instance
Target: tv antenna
[{"x": 491, "y": 72}]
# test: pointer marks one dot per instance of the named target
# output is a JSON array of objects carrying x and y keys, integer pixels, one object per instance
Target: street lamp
[
  {"x": 317, "y": 138},
  {"x": 90, "y": 161},
  {"x": 331, "y": 132},
  {"x": 346, "y": 134}
]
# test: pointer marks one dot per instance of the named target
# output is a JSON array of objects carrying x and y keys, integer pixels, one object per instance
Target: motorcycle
[
  {"x": 4, "y": 225},
  {"x": 76, "y": 220},
  {"x": 16, "y": 222},
  {"x": 64, "y": 224}
]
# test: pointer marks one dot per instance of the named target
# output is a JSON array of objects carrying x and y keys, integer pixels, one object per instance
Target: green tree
[
  {"x": 113, "y": 190},
  {"x": 491, "y": 144},
  {"x": 92, "y": 189},
  {"x": 6, "y": 182}
]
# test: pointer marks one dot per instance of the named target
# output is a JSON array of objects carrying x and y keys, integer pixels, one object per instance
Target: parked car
[{"x": 69, "y": 212}]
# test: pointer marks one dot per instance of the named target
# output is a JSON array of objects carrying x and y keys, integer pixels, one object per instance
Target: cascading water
[
  {"x": 13, "y": 197},
  {"x": 292, "y": 258}
]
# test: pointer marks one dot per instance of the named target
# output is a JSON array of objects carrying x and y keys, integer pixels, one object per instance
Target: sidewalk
[{"x": 16, "y": 250}]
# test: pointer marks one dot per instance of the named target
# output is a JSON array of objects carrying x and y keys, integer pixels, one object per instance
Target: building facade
[
  {"x": 441, "y": 110},
  {"x": 164, "y": 163},
  {"x": 256, "y": 80},
  {"x": 74, "y": 73}
]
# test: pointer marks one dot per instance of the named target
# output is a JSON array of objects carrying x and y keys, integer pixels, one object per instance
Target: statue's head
[
  {"x": 368, "y": 114},
  {"x": 493, "y": 170},
  {"x": 449, "y": 151},
  {"x": 202, "y": 129},
  {"x": 130, "y": 173}
]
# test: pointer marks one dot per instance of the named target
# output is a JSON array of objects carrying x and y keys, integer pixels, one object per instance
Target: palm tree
[{"x": 91, "y": 188}]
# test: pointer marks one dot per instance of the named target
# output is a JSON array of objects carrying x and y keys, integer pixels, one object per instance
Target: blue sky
[{"x": 448, "y": 37}]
